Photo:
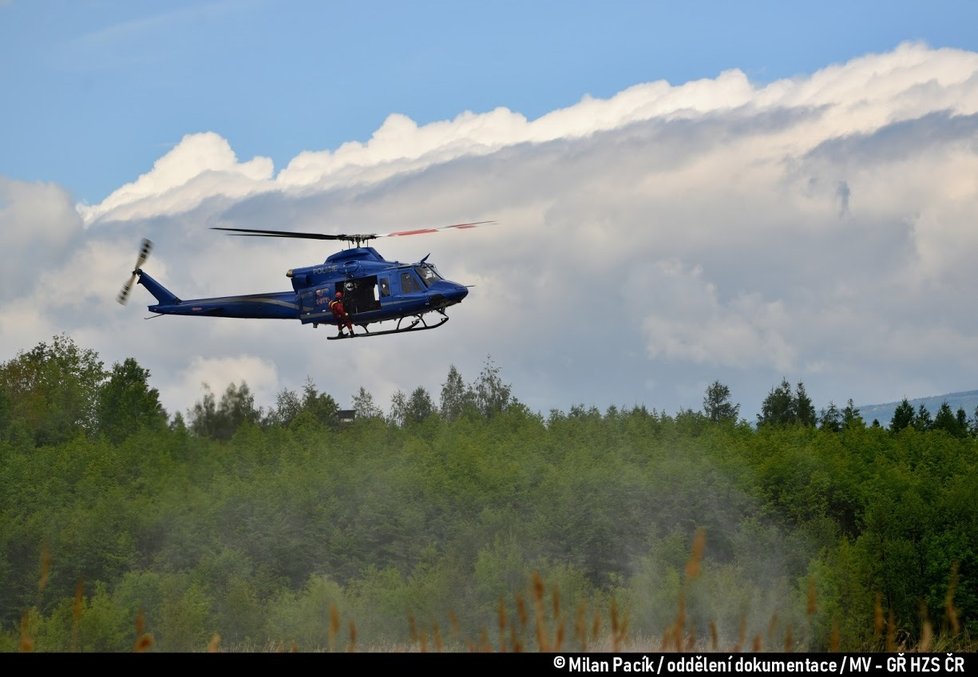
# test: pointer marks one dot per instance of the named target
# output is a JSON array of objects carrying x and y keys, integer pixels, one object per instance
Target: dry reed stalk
[
  {"x": 77, "y": 606},
  {"x": 812, "y": 606},
  {"x": 334, "y": 626},
  {"x": 950, "y": 611},
  {"x": 26, "y": 644},
  {"x": 501, "y": 616},
  {"x": 696, "y": 555},
  {"x": 926, "y": 631},
  {"x": 514, "y": 640},
  {"x": 891, "y": 632},
  {"x": 144, "y": 640},
  {"x": 714, "y": 638},
  {"x": 543, "y": 643},
  {"x": 44, "y": 569},
  {"x": 741, "y": 635},
  {"x": 352, "y": 646},
  {"x": 436, "y": 635},
  {"x": 789, "y": 640},
  {"x": 214, "y": 646},
  {"x": 580, "y": 630},
  {"x": 412, "y": 629},
  {"x": 757, "y": 643},
  {"x": 835, "y": 639},
  {"x": 878, "y": 616}
]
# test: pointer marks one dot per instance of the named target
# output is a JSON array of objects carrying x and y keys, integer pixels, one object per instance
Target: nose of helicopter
[{"x": 447, "y": 293}]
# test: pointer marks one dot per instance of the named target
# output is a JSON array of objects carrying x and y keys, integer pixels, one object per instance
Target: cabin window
[
  {"x": 385, "y": 287},
  {"x": 409, "y": 283}
]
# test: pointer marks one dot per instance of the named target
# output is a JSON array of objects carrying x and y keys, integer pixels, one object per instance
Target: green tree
[
  {"x": 831, "y": 418},
  {"x": 126, "y": 402},
  {"x": 717, "y": 406},
  {"x": 947, "y": 421},
  {"x": 321, "y": 406},
  {"x": 220, "y": 420},
  {"x": 492, "y": 396},
  {"x": 922, "y": 420},
  {"x": 903, "y": 416},
  {"x": 851, "y": 418},
  {"x": 804, "y": 409},
  {"x": 363, "y": 404},
  {"x": 455, "y": 396},
  {"x": 52, "y": 390},
  {"x": 778, "y": 408},
  {"x": 419, "y": 406}
]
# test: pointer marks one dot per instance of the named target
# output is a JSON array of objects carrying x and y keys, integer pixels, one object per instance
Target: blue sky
[
  {"x": 97, "y": 90},
  {"x": 685, "y": 192}
]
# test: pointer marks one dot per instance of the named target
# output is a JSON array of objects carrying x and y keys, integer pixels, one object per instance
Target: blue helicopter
[{"x": 371, "y": 288}]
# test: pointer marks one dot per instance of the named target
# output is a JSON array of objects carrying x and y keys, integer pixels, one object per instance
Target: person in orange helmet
[{"x": 339, "y": 312}]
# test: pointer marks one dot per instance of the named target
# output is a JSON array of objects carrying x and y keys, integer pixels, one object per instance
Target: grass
[{"x": 542, "y": 623}]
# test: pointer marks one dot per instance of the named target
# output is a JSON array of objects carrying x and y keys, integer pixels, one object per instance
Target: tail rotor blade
[{"x": 144, "y": 249}]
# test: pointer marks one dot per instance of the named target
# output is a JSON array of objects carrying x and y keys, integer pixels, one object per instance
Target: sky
[{"x": 683, "y": 192}]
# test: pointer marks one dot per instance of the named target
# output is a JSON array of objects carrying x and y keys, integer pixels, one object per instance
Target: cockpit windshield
[{"x": 427, "y": 273}]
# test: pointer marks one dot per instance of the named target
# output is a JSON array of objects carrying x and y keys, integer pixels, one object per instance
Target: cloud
[{"x": 819, "y": 228}]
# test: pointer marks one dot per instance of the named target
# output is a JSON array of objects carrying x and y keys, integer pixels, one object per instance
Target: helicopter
[{"x": 371, "y": 288}]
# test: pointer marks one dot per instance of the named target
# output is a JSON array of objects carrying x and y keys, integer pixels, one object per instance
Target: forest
[{"x": 461, "y": 521}]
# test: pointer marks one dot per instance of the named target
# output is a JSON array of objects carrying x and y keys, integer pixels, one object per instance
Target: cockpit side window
[
  {"x": 428, "y": 274},
  {"x": 385, "y": 287},
  {"x": 409, "y": 283}
]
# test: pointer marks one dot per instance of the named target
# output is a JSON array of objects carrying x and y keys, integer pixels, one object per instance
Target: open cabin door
[{"x": 359, "y": 294}]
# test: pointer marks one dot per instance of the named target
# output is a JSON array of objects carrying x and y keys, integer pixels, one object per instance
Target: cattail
[
  {"x": 334, "y": 626},
  {"x": 436, "y": 634},
  {"x": 789, "y": 640},
  {"x": 891, "y": 632},
  {"x": 952, "y": 613},
  {"x": 878, "y": 616},
  {"x": 696, "y": 556},
  {"x": 353, "y": 637},
  {"x": 77, "y": 606},
  {"x": 26, "y": 641},
  {"x": 926, "y": 631},
  {"x": 757, "y": 644},
  {"x": 580, "y": 630},
  {"x": 812, "y": 607},
  {"x": 144, "y": 643},
  {"x": 502, "y": 624},
  {"x": 714, "y": 639},
  {"x": 835, "y": 640},
  {"x": 215, "y": 644},
  {"x": 45, "y": 568}
]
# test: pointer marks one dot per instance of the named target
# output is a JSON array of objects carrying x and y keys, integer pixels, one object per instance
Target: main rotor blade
[
  {"x": 252, "y": 232},
  {"x": 347, "y": 237},
  {"x": 422, "y": 231}
]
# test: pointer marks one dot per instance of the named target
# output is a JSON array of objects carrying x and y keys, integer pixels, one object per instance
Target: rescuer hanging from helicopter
[{"x": 339, "y": 312}]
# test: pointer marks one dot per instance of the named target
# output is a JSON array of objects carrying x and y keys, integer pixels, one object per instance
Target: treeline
[{"x": 469, "y": 521}]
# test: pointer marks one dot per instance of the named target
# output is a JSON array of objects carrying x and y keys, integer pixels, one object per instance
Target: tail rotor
[{"x": 144, "y": 251}]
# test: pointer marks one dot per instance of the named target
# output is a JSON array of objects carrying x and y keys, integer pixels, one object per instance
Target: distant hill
[{"x": 884, "y": 412}]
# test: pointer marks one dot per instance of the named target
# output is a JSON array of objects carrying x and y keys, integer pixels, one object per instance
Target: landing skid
[{"x": 413, "y": 326}]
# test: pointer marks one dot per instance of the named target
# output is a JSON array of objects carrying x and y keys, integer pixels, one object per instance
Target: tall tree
[
  {"x": 321, "y": 406},
  {"x": 220, "y": 420},
  {"x": 804, "y": 409},
  {"x": 922, "y": 420},
  {"x": 831, "y": 418},
  {"x": 851, "y": 418},
  {"x": 363, "y": 405},
  {"x": 492, "y": 396},
  {"x": 455, "y": 396},
  {"x": 126, "y": 402},
  {"x": 902, "y": 416},
  {"x": 717, "y": 406},
  {"x": 52, "y": 389},
  {"x": 419, "y": 406},
  {"x": 946, "y": 420},
  {"x": 778, "y": 408}
]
